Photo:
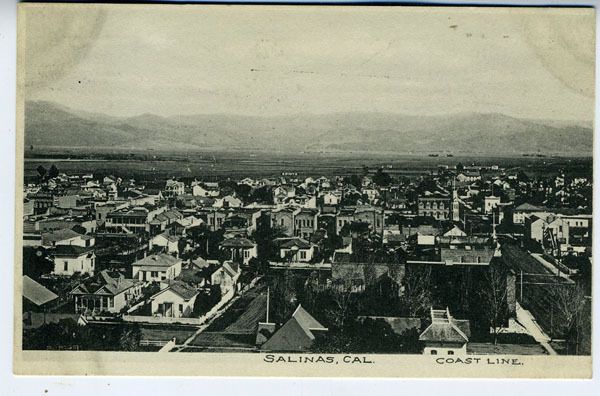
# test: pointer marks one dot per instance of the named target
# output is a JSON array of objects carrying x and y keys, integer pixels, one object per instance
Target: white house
[
  {"x": 296, "y": 250},
  {"x": 156, "y": 268},
  {"x": 445, "y": 335},
  {"x": 170, "y": 243},
  {"x": 201, "y": 191},
  {"x": 226, "y": 276},
  {"x": 69, "y": 259},
  {"x": 489, "y": 203},
  {"x": 176, "y": 300},
  {"x": 455, "y": 231},
  {"x": 331, "y": 198},
  {"x": 107, "y": 291},
  {"x": 66, "y": 237},
  {"x": 228, "y": 201},
  {"x": 174, "y": 188},
  {"x": 240, "y": 249},
  {"x": 557, "y": 226}
]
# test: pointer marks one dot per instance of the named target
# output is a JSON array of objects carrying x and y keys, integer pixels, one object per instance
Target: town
[{"x": 461, "y": 259}]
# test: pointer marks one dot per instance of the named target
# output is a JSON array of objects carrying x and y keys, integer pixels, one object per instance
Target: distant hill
[{"x": 49, "y": 124}]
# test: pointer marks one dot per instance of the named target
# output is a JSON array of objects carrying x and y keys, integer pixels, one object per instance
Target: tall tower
[{"x": 455, "y": 202}]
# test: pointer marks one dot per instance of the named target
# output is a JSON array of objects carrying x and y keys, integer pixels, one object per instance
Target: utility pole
[
  {"x": 268, "y": 292},
  {"x": 521, "y": 288}
]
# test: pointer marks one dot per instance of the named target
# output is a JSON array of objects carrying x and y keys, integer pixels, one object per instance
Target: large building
[{"x": 436, "y": 205}]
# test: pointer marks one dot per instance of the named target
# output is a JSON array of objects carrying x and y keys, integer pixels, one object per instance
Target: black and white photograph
[{"x": 304, "y": 189}]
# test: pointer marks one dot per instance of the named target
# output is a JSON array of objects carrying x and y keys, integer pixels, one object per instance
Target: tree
[
  {"x": 53, "y": 172},
  {"x": 493, "y": 296},
  {"x": 382, "y": 178},
  {"x": 569, "y": 303},
  {"x": 460, "y": 167},
  {"x": 129, "y": 339},
  {"x": 416, "y": 295}
]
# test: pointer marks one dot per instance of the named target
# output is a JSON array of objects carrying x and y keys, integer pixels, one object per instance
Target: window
[
  {"x": 246, "y": 254},
  {"x": 450, "y": 352},
  {"x": 154, "y": 274},
  {"x": 66, "y": 265},
  {"x": 303, "y": 254},
  {"x": 180, "y": 308},
  {"x": 111, "y": 302},
  {"x": 433, "y": 352}
]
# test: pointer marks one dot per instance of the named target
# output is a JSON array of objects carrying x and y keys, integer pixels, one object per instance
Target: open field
[{"x": 155, "y": 165}]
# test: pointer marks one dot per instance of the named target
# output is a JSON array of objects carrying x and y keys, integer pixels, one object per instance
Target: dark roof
[
  {"x": 238, "y": 242},
  {"x": 71, "y": 250},
  {"x": 180, "y": 288},
  {"x": 296, "y": 334},
  {"x": 295, "y": 243},
  {"x": 157, "y": 260},
  {"x": 36, "y": 293},
  {"x": 33, "y": 320},
  {"x": 59, "y": 235},
  {"x": 106, "y": 282}
]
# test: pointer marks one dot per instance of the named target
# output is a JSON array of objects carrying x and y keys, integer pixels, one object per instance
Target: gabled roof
[
  {"x": 298, "y": 243},
  {"x": 296, "y": 334},
  {"x": 71, "y": 251},
  {"x": 180, "y": 288},
  {"x": 231, "y": 268},
  {"x": 59, "y": 235},
  {"x": 157, "y": 260},
  {"x": 444, "y": 328},
  {"x": 237, "y": 242},
  {"x": 36, "y": 293},
  {"x": 527, "y": 207},
  {"x": 104, "y": 283}
]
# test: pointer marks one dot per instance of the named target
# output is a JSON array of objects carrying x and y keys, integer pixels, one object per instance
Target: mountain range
[{"x": 51, "y": 124}]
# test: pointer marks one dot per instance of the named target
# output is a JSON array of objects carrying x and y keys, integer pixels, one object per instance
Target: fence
[{"x": 162, "y": 320}]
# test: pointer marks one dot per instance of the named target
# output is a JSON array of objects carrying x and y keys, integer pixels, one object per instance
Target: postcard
[{"x": 330, "y": 191}]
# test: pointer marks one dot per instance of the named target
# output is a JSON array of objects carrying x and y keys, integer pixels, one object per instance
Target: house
[
  {"x": 468, "y": 177},
  {"x": 281, "y": 193},
  {"x": 489, "y": 203},
  {"x": 296, "y": 250},
  {"x": 70, "y": 259},
  {"x": 305, "y": 222},
  {"x": 226, "y": 276},
  {"x": 466, "y": 249},
  {"x": 169, "y": 243},
  {"x": 106, "y": 292},
  {"x": 132, "y": 220},
  {"x": 36, "y": 297},
  {"x": 34, "y": 320},
  {"x": 174, "y": 301},
  {"x": 162, "y": 220},
  {"x": 331, "y": 198},
  {"x": 174, "y": 188},
  {"x": 228, "y": 201},
  {"x": 455, "y": 231},
  {"x": 239, "y": 250},
  {"x": 156, "y": 268},
  {"x": 66, "y": 237},
  {"x": 296, "y": 335},
  {"x": 552, "y": 229},
  {"x": 285, "y": 219},
  {"x": 202, "y": 190},
  {"x": 445, "y": 335},
  {"x": 523, "y": 211}
]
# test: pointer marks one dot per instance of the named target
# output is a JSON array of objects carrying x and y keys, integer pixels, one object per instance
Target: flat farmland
[{"x": 151, "y": 165}]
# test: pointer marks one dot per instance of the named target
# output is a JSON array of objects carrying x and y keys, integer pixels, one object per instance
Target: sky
[{"x": 126, "y": 60}]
